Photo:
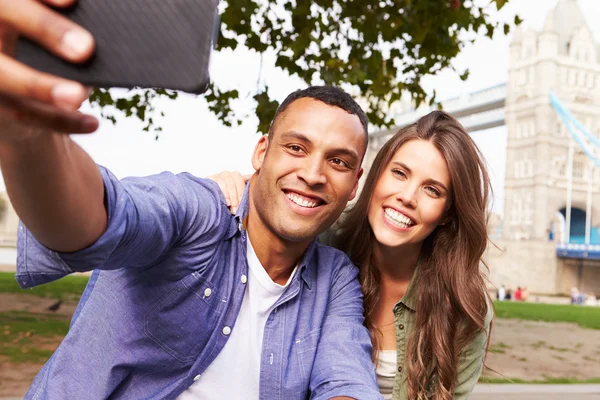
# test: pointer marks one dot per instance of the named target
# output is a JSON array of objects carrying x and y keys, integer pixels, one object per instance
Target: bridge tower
[{"x": 562, "y": 57}]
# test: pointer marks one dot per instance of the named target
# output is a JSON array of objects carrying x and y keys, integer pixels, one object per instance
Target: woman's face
[{"x": 411, "y": 196}]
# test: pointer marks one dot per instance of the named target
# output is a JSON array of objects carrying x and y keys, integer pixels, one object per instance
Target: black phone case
[{"x": 145, "y": 43}]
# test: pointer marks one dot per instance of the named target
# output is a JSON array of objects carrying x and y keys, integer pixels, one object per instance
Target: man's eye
[
  {"x": 340, "y": 162},
  {"x": 294, "y": 148}
]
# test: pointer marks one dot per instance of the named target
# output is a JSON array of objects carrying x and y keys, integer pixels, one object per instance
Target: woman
[{"x": 417, "y": 233}]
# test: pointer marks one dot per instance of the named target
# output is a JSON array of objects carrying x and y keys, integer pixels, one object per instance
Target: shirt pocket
[
  {"x": 306, "y": 349},
  {"x": 182, "y": 321}
]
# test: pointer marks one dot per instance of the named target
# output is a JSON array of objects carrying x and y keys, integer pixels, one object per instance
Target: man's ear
[
  {"x": 353, "y": 193},
  {"x": 258, "y": 157}
]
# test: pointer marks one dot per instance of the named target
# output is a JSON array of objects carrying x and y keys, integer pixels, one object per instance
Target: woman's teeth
[{"x": 398, "y": 219}]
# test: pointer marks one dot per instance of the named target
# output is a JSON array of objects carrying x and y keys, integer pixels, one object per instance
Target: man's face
[{"x": 308, "y": 171}]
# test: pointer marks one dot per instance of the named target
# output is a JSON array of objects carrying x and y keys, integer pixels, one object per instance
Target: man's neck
[{"x": 277, "y": 256}]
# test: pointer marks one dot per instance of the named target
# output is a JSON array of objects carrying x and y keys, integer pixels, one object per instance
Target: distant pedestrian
[
  {"x": 518, "y": 294},
  {"x": 525, "y": 294},
  {"x": 501, "y": 295},
  {"x": 574, "y": 295}
]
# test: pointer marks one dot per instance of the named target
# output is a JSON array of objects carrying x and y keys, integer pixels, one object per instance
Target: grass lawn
[
  {"x": 30, "y": 337},
  {"x": 584, "y": 316},
  {"x": 549, "y": 381},
  {"x": 27, "y": 337},
  {"x": 68, "y": 288}
]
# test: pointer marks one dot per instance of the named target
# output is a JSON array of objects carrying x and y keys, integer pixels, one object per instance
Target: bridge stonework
[{"x": 563, "y": 57}]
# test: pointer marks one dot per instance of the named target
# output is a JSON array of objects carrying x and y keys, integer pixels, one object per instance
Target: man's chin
[{"x": 299, "y": 235}]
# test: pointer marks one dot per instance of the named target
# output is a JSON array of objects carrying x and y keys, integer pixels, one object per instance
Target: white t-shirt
[
  {"x": 386, "y": 372},
  {"x": 235, "y": 373}
]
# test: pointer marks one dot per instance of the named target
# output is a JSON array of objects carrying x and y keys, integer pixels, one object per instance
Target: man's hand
[
  {"x": 32, "y": 102},
  {"x": 55, "y": 187}
]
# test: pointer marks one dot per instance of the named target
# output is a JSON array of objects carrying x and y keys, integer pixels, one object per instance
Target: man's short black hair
[{"x": 329, "y": 95}]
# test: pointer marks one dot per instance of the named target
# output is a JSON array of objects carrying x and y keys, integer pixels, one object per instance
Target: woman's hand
[{"x": 232, "y": 184}]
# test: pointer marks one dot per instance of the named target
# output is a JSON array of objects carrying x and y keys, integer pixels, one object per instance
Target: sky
[{"x": 194, "y": 140}]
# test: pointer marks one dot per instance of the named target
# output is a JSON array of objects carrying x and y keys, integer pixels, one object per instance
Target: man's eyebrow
[
  {"x": 430, "y": 180},
  {"x": 294, "y": 135}
]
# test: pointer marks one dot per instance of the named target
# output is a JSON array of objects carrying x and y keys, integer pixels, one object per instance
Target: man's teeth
[
  {"x": 302, "y": 201},
  {"x": 397, "y": 218}
]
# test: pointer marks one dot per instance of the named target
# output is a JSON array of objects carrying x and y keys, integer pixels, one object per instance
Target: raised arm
[
  {"x": 54, "y": 186},
  {"x": 56, "y": 190}
]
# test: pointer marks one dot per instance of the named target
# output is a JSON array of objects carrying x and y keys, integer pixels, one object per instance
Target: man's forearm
[{"x": 56, "y": 189}]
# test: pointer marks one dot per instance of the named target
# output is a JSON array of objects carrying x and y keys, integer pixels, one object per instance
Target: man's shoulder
[
  {"x": 330, "y": 259},
  {"x": 169, "y": 178},
  {"x": 183, "y": 185}
]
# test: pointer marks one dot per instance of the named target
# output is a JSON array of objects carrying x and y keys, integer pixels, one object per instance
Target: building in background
[{"x": 562, "y": 57}]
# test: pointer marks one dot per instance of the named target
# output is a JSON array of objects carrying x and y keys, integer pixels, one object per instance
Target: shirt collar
[
  {"x": 409, "y": 297},
  {"x": 306, "y": 269}
]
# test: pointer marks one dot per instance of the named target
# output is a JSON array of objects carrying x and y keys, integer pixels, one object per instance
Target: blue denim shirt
[{"x": 146, "y": 324}]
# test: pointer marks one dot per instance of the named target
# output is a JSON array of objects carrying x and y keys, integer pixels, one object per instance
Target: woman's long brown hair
[{"x": 451, "y": 296}]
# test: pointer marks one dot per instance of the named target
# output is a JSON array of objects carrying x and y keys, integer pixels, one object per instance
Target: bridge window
[
  {"x": 578, "y": 169},
  {"x": 529, "y": 168},
  {"x": 528, "y": 214},
  {"x": 531, "y": 128},
  {"x": 517, "y": 208},
  {"x": 581, "y": 78},
  {"x": 558, "y": 167},
  {"x": 571, "y": 77}
]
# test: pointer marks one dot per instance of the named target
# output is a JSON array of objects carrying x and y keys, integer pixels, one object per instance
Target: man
[{"x": 185, "y": 299}]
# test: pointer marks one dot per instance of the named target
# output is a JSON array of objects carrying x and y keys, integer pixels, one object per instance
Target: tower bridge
[{"x": 544, "y": 187}]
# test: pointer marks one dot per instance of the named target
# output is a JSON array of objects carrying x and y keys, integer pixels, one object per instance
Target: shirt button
[
  {"x": 244, "y": 279},
  {"x": 196, "y": 378},
  {"x": 226, "y": 331},
  {"x": 399, "y": 369},
  {"x": 207, "y": 292},
  {"x": 401, "y": 326}
]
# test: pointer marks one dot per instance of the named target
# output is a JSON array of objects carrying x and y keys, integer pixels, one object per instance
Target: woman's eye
[
  {"x": 398, "y": 173},
  {"x": 433, "y": 190}
]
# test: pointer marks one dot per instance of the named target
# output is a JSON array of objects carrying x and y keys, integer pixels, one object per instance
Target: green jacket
[{"x": 471, "y": 358}]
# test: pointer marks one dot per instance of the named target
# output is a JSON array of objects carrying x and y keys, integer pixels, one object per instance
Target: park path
[{"x": 536, "y": 392}]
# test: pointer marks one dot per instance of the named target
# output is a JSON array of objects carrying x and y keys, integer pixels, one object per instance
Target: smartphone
[{"x": 139, "y": 43}]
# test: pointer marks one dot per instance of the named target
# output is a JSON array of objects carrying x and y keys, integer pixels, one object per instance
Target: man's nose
[{"x": 312, "y": 173}]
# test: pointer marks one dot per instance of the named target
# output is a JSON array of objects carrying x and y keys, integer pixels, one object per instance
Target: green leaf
[{"x": 380, "y": 49}]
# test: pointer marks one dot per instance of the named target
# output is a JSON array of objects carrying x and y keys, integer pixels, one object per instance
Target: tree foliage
[{"x": 377, "y": 49}]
